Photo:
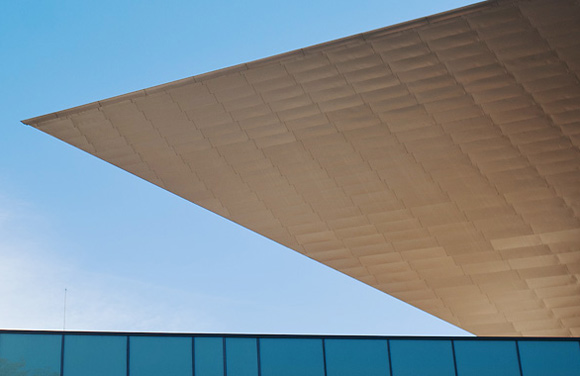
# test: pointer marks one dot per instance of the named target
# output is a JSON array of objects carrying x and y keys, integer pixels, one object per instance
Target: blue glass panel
[
  {"x": 421, "y": 357},
  {"x": 560, "y": 358},
  {"x": 242, "y": 356},
  {"x": 88, "y": 355},
  {"x": 479, "y": 357},
  {"x": 291, "y": 357},
  {"x": 209, "y": 356},
  {"x": 154, "y": 356},
  {"x": 24, "y": 354},
  {"x": 347, "y": 357}
]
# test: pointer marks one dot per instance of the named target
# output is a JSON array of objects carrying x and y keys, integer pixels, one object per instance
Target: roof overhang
[{"x": 437, "y": 160}]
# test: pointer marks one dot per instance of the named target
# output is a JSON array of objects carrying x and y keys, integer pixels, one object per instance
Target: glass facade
[
  {"x": 549, "y": 358},
  {"x": 421, "y": 357},
  {"x": 30, "y": 354},
  {"x": 242, "y": 356},
  {"x": 130, "y": 354},
  {"x": 95, "y": 355},
  {"x": 209, "y": 356},
  {"x": 489, "y": 357},
  {"x": 291, "y": 356},
  {"x": 159, "y": 355},
  {"x": 345, "y": 357}
]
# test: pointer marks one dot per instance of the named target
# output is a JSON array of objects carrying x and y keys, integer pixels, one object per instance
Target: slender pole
[{"x": 64, "y": 312}]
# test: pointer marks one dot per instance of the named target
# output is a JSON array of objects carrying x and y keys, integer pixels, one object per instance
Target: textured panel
[{"x": 437, "y": 160}]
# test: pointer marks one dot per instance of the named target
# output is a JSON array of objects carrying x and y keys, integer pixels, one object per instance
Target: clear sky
[{"x": 132, "y": 256}]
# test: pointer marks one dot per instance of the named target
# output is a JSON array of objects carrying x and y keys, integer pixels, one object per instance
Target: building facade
[{"x": 147, "y": 354}]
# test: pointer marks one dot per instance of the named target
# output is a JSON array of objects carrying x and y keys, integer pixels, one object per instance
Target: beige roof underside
[{"x": 436, "y": 160}]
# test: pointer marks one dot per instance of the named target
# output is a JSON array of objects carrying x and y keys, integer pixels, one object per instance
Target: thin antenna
[{"x": 64, "y": 313}]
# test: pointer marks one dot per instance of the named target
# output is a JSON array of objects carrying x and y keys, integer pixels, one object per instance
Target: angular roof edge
[{"x": 438, "y": 17}]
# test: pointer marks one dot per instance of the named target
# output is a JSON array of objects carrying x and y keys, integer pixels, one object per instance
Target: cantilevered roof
[{"x": 437, "y": 160}]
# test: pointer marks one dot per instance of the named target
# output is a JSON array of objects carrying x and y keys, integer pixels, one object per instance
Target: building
[
  {"x": 436, "y": 160},
  {"x": 147, "y": 354}
]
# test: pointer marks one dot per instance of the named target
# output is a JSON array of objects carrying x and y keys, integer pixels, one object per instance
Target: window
[
  {"x": 482, "y": 357},
  {"x": 242, "y": 356},
  {"x": 38, "y": 354},
  {"x": 348, "y": 357},
  {"x": 291, "y": 357},
  {"x": 209, "y": 356},
  {"x": 154, "y": 356},
  {"x": 412, "y": 357},
  {"x": 89, "y": 355},
  {"x": 560, "y": 358}
]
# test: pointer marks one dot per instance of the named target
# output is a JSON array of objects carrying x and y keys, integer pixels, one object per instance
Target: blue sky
[{"x": 132, "y": 256}]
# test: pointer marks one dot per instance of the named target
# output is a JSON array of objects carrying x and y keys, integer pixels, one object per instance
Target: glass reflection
[
  {"x": 291, "y": 357},
  {"x": 550, "y": 358},
  {"x": 155, "y": 356},
  {"x": 486, "y": 358},
  {"x": 101, "y": 354},
  {"x": 30, "y": 354},
  {"x": 209, "y": 356},
  {"x": 347, "y": 357},
  {"x": 242, "y": 356},
  {"x": 432, "y": 357},
  {"x": 91, "y": 355}
]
